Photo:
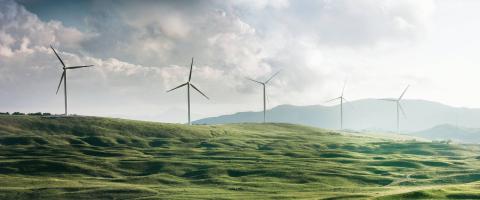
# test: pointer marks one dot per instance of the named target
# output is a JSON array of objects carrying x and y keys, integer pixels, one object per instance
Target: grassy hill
[{"x": 103, "y": 158}]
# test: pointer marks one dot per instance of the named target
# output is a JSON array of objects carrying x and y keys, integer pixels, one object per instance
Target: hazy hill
[
  {"x": 450, "y": 132},
  {"x": 370, "y": 114},
  {"x": 104, "y": 158}
]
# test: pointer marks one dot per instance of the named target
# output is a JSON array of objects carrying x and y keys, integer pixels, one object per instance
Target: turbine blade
[
  {"x": 332, "y": 99},
  {"x": 272, "y": 77},
  {"x": 76, "y": 67},
  {"x": 191, "y": 68},
  {"x": 58, "y": 56},
  {"x": 177, "y": 87},
  {"x": 254, "y": 81},
  {"x": 403, "y": 93},
  {"x": 401, "y": 109},
  {"x": 199, "y": 91},
  {"x": 61, "y": 80}
]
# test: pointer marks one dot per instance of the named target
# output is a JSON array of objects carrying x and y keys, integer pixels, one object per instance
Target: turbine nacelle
[
  {"x": 188, "y": 84},
  {"x": 264, "y": 92},
  {"x": 268, "y": 80},
  {"x": 399, "y": 106},
  {"x": 63, "y": 78},
  {"x": 341, "y": 98}
]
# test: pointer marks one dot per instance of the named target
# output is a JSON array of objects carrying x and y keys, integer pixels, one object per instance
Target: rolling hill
[
  {"x": 104, "y": 158},
  {"x": 367, "y": 114}
]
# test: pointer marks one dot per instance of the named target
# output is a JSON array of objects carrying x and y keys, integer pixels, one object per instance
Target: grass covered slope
[{"x": 103, "y": 158}]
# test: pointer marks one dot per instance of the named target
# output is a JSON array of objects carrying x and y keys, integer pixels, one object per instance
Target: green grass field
[{"x": 103, "y": 158}]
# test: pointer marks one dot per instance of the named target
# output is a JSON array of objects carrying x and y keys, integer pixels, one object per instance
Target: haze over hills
[
  {"x": 450, "y": 132},
  {"x": 366, "y": 114}
]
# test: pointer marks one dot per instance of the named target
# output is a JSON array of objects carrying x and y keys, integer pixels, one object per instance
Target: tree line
[{"x": 20, "y": 113}]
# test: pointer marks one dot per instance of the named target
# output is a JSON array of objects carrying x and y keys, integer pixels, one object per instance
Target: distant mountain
[
  {"x": 366, "y": 114},
  {"x": 450, "y": 132}
]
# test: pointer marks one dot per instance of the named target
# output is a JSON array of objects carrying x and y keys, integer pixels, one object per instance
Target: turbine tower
[
  {"x": 341, "y": 98},
  {"x": 264, "y": 93},
  {"x": 188, "y": 84},
  {"x": 399, "y": 107},
  {"x": 63, "y": 78}
]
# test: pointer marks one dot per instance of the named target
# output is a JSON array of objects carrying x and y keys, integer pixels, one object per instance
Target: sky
[{"x": 142, "y": 48}]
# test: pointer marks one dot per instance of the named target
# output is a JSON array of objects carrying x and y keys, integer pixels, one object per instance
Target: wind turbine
[
  {"x": 264, "y": 93},
  {"x": 399, "y": 107},
  {"x": 63, "y": 78},
  {"x": 188, "y": 84},
  {"x": 341, "y": 104}
]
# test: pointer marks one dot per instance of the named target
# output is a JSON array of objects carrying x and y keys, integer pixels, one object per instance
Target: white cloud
[
  {"x": 262, "y": 4},
  {"x": 19, "y": 27},
  {"x": 141, "y": 49}
]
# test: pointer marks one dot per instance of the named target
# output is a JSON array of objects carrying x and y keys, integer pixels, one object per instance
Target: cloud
[
  {"x": 21, "y": 30},
  {"x": 261, "y": 4},
  {"x": 245, "y": 38},
  {"x": 141, "y": 49},
  {"x": 350, "y": 23}
]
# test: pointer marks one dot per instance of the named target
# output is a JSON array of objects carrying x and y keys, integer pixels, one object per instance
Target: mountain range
[
  {"x": 365, "y": 114},
  {"x": 450, "y": 132}
]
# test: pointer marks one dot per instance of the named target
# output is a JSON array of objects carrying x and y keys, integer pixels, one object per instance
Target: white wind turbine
[
  {"x": 188, "y": 84},
  {"x": 399, "y": 107},
  {"x": 264, "y": 93},
  {"x": 341, "y": 98},
  {"x": 63, "y": 78}
]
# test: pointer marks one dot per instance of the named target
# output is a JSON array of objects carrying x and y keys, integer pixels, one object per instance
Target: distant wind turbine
[
  {"x": 264, "y": 93},
  {"x": 63, "y": 78},
  {"x": 399, "y": 107},
  {"x": 188, "y": 84},
  {"x": 341, "y": 98}
]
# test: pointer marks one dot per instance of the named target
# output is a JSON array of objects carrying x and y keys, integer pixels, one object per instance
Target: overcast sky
[{"x": 140, "y": 49}]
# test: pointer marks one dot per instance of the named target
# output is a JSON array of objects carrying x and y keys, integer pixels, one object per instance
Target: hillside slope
[{"x": 103, "y": 158}]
